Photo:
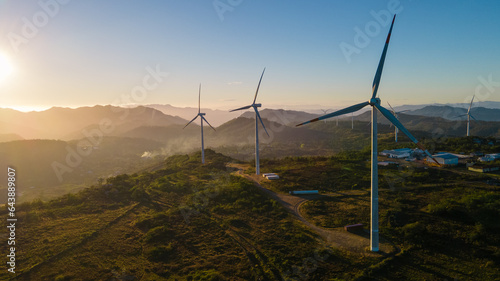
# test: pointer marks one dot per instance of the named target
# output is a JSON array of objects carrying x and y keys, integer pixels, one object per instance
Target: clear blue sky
[{"x": 96, "y": 52}]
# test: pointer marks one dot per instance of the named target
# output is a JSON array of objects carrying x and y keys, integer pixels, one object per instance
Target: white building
[
  {"x": 271, "y": 176},
  {"x": 400, "y": 153}
]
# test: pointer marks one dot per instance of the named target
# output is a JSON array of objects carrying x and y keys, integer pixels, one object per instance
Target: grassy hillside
[
  {"x": 183, "y": 222},
  {"x": 445, "y": 221},
  {"x": 186, "y": 221}
]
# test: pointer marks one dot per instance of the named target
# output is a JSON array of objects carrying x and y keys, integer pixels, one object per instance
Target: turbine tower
[
  {"x": 257, "y": 119},
  {"x": 374, "y": 102},
  {"x": 202, "y": 118},
  {"x": 469, "y": 116},
  {"x": 396, "y": 130}
]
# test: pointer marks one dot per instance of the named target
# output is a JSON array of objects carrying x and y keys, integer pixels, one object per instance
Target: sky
[{"x": 317, "y": 54}]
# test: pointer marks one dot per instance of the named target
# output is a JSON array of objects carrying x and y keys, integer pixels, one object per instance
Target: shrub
[
  {"x": 158, "y": 234},
  {"x": 160, "y": 253}
]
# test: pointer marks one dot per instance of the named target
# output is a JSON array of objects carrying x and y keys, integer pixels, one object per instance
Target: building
[
  {"x": 484, "y": 169},
  {"x": 490, "y": 157},
  {"x": 271, "y": 176},
  {"x": 400, "y": 153},
  {"x": 444, "y": 159}
]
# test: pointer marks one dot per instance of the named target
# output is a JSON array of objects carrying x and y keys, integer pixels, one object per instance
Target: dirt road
[{"x": 336, "y": 237}]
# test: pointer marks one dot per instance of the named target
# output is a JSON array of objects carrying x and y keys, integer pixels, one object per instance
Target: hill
[
  {"x": 216, "y": 117},
  {"x": 68, "y": 123},
  {"x": 283, "y": 117},
  {"x": 236, "y": 138},
  {"x": 186, "y": 221},
  {"x": 50, "y": 168}
]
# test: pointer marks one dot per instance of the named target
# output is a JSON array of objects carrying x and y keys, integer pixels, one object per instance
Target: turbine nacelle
[
  {"x": 374, "y": 101},
  {"x": 201, "y": 114},
  {"x": 257, "y": 105}
]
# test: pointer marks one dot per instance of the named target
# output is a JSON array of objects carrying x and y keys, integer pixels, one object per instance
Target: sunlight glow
[{"x": 6, "y": 67}]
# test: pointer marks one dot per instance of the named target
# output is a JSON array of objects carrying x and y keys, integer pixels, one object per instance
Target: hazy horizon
[{"x": 306, "y": 108}]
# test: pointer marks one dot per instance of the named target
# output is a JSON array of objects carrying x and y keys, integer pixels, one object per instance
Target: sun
[{"x": 6, "y": 67}]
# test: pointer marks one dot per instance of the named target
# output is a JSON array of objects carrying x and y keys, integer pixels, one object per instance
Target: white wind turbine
[
  {"x": 396, "y": 130},
  {"x": 374, "y": 102},
  {"x": 257, "y": 119},
  {"x": 202, "y": 118},
  {"x": 325, "y": 111},
  {"x": 469, "y": 116}
]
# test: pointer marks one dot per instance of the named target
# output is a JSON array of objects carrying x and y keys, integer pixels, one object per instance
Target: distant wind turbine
[
  {"x": 325, "y": 111},
  {"x": 202, "y": 118},
  {"x": 375, "y": 104},
  {"x": 257, "y": 119},
  {"x": 469, "y": 116},
  {"x": 396, "y": 130}
]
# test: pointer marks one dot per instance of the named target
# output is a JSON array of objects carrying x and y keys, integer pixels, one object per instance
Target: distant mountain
[
  {"x": 434, "y": 126},
  {"x": 454, "y": 113},
  {"x": 284, "y": 117},
  {"x": 239, "y": 131},
  {"x": 9, "y": 137},
  {"x": 215, "y": 117},
  {"x": 68, "y": 123}
]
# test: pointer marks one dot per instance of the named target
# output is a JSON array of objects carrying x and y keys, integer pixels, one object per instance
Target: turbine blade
[
  {"x": 241, "y": 108},
  {"x": 256, "y": 92},
  {"x": 471, "y": 103},
  {"x": 473, "y": 117},
  {"x": 208, "y": 123},
  {"x": 199, "y": 99},
  {"x": 191, "y": 121},
  {"x": 378, "y": 74},
  {"x": 401, "y": 128},
  {"x": 258, "y": 116},
  {"x": 393, "y": 111},
  {"x": 350, "y": 109}
]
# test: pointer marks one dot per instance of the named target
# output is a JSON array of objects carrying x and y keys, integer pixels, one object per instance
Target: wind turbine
[
  {"x": 374, "y": 102},
  {"x": 469, "y": 116},
  {"x": 396, "y": 130},
  {"x": 202, "y": 118},
  {"x": 325, "y": 111},
  {"x": 257, "y": 119}
]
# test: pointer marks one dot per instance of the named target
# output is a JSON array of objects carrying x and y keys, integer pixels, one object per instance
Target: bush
[
  {"x": 160, "y": 253},
  {"x": 159, "y": 234}
]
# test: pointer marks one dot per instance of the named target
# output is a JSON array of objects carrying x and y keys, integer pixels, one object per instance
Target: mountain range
[
  {"x": 67, "y": 123},
  {"x": 73, "y": 124},
  {"x": 454, "y": 113}
]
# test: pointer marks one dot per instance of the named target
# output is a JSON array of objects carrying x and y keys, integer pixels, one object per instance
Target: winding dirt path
[{"x": 336, "y": 237}]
